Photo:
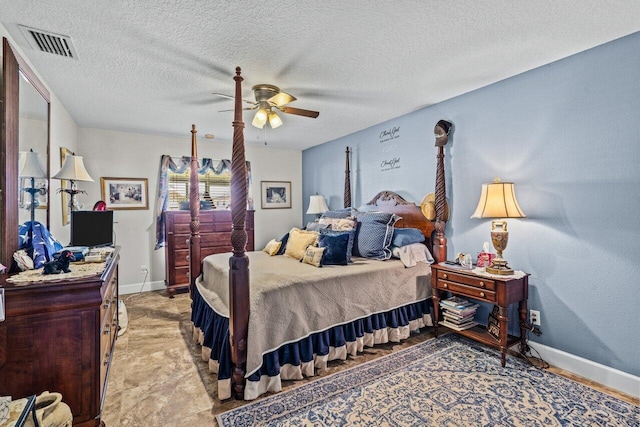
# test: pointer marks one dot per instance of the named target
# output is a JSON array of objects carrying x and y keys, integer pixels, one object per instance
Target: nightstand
[{"x": 495, "y": 290}]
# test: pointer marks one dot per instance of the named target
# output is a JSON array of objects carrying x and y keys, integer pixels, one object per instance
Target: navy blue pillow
[
  {"x": 283, "y": 246},
  {"x": 335, "y": 252},
  {"x": 406, "y": 236},
  {"x": 350, "y": 233}
]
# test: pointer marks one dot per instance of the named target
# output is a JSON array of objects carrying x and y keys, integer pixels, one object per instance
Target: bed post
[
  {"x": 239, "y": 262},
  {"x": 441, "y": 132},
  {"x": 194, "y": 208},
  {"x": 347, "y": 182}
]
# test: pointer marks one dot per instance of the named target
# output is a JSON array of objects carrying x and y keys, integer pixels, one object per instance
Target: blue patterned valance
[{"x": 181, "y": 165}]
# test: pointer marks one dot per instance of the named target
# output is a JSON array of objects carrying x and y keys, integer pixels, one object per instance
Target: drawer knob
[
  {"x": 187, "y": 241},
  {"x": 444, "y": 285},
  {"x": 482, "y": 285},
  {"x": 482, "y": 294},
  {"x": 445, "y": 276},
  {"x": 187, "y": 257}
]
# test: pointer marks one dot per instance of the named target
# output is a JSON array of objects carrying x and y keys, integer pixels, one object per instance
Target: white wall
[{"x": 129, "y": 155}]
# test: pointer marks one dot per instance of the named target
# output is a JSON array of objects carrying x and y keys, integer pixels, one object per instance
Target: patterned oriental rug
[{"x": 449, "y": 381}]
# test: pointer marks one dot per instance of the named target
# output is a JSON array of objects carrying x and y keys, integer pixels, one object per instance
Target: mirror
[{"x": 25, "y": 127}]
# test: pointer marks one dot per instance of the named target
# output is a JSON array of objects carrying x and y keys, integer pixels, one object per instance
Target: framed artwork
[
  {"x": 275, "y": 194},
  {"x": 125, "y": 193},
  {"x": 64, "y": 152}
]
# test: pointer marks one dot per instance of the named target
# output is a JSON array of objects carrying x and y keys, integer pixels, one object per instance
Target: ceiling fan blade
[
  {"x": 231, "y": 97},
  {"x": 299, "y": 112},
  {"x": 281, "y": 98},
  {"x": 232, "y": 109}
]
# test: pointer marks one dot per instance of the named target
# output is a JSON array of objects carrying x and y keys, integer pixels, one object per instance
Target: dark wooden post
[
  {"x": 347, "y": 183},
  {"x": 239, "y": 262},
  {"x": 194, "y": 208},
  {"x": 441, "y": 132}
]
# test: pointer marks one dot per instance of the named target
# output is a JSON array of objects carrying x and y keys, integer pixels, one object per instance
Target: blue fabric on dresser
[{"x": 215, "y": 331}]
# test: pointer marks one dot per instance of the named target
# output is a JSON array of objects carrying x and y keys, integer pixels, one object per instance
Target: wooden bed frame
[{"x": 239, "y": 279}]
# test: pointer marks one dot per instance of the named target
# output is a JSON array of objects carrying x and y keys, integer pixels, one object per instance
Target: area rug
[{"x": 448, "y": 381}]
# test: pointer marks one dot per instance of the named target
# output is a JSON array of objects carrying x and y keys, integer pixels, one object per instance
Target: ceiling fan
[{"x": 269, "y": 99}]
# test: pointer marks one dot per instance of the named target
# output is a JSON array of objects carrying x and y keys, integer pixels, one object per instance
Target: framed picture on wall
[
  {"x": 275, "y": 194},
  {"x": 125, "y": 193},
  {"x": 64, "y": 184}
]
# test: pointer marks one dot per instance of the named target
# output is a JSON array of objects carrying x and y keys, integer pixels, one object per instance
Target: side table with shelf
[{"x": 501, "y": 291}]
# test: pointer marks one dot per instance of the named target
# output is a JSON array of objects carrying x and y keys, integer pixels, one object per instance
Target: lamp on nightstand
[
  {"x": 498, "y": 200},
  {"x": 317, "y": 206}
]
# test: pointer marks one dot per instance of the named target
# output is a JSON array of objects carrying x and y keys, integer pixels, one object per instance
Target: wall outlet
[
  {"x": 143, "y": 269},
  {"x": 534, "y": 317}
]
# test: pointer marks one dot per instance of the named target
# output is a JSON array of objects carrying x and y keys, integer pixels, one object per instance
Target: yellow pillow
[
  {"x": 313, "y": 256},
  {"x": 272, "y": 247},
  {"x": 298, "y": 242}
]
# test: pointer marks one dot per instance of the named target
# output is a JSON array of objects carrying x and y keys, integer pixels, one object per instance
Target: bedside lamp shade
[
  {"x": 498, "y": 200},
  {"x": 317, "y": 205},
  {"x": 73, "y": 169},
  {"x": 30, "y": 165}
]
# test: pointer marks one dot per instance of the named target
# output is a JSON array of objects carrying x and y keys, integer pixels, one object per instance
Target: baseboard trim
[
  {"x": 605, "y": 375},
  {"x": 141, "y": 287}
]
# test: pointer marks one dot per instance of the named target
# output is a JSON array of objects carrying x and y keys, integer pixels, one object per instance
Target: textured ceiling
[{"x": 151, "y": 66}]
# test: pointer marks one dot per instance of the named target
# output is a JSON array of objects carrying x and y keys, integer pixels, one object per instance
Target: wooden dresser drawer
[
  {"x": 475, "y": 282},
  {"x": 466, "y": 290}
]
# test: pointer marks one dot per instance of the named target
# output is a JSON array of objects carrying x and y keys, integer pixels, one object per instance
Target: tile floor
[{"x": 158, "y": 378}]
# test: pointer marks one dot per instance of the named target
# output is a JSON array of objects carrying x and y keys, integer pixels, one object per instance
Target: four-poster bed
[{"x": 234, "y": 320}]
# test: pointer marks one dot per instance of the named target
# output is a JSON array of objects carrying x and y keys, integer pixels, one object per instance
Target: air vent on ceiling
[{"x": 45, "y": 41}]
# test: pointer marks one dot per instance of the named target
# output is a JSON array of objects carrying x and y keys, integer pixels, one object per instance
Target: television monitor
[{"x": 91, "y": 228}]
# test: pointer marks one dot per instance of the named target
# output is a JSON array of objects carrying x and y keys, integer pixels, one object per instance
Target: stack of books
[{"x": 457, "y": 313}]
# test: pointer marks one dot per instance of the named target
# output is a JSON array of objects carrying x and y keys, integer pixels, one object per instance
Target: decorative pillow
[
  {"x": 283, "y": 245},
  {"x": 316, "y": 226},
  {"x": 340, "y": 213},
  {"x": 374, "y": 234},
  {"x": 412, "y": 254},
  {"x": 335, "y": 246},
  {"x": 339, "y": 224},
  {"x": 298, "y": 242},
  {"x": 272, "y": 247},
  {"x": 313, "y": 256},
  {"x": 350, "y": 242},
  {"x": 406, "y": 236}
]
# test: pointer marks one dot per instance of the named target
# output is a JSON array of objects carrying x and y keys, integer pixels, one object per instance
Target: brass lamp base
[{"x": 499, "y": 266}]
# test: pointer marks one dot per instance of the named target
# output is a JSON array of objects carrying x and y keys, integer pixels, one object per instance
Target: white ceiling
[{"x": 150, "y": 66}]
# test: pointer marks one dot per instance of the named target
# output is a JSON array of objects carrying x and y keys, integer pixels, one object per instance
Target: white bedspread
[{"x": 290, "y": 300}]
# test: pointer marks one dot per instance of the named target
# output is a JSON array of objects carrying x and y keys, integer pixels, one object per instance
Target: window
[{"x": 213, "y": 188}]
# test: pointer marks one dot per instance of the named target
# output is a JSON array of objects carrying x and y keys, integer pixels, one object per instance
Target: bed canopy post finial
[
  {"x": 441, "y": 133},
  {"x": 347, "y": 182},
  {"x": 194, "y": 208},
  {"x": 239, "y": 262}
]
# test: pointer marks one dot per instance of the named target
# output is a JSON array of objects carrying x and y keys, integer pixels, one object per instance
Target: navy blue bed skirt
[{"x": 212, "y": 332}]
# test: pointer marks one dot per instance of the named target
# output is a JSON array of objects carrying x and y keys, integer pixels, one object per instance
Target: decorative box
[{"x": 485, "y": 259}]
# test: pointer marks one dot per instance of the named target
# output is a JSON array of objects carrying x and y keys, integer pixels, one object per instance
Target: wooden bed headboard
[
  {"x": 239, "y": 280},
  {"x": 412, "y": 217}
]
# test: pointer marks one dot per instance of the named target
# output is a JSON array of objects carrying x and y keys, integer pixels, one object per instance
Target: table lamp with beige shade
[{"x": 498, "y": 200}]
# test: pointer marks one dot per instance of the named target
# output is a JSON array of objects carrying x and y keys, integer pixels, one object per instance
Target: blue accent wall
[{"x": 568, "y": 135}]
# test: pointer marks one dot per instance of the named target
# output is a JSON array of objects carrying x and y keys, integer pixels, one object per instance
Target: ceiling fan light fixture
[
  {"x": 274, "y": 119},
  {"x": 260, "y": 119}
]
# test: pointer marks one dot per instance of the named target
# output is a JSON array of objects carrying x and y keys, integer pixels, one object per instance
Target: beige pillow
[
  {"x": 272, "y": 247},
  {"x": 339, "y": 224},
  {"x": 298, "y": 242},
  {"x": 313, "y": 256}
]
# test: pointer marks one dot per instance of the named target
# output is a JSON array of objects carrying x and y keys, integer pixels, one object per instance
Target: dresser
[
  {"x": 59, "y": 336},
  {"x": 215, "y": 237},
  {"x": 500, "y": 291}
]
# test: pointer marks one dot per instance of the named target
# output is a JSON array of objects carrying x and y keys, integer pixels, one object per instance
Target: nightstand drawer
[
  {"x": 468, "y": 291},
  {"x": 475, "y": 282}
]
